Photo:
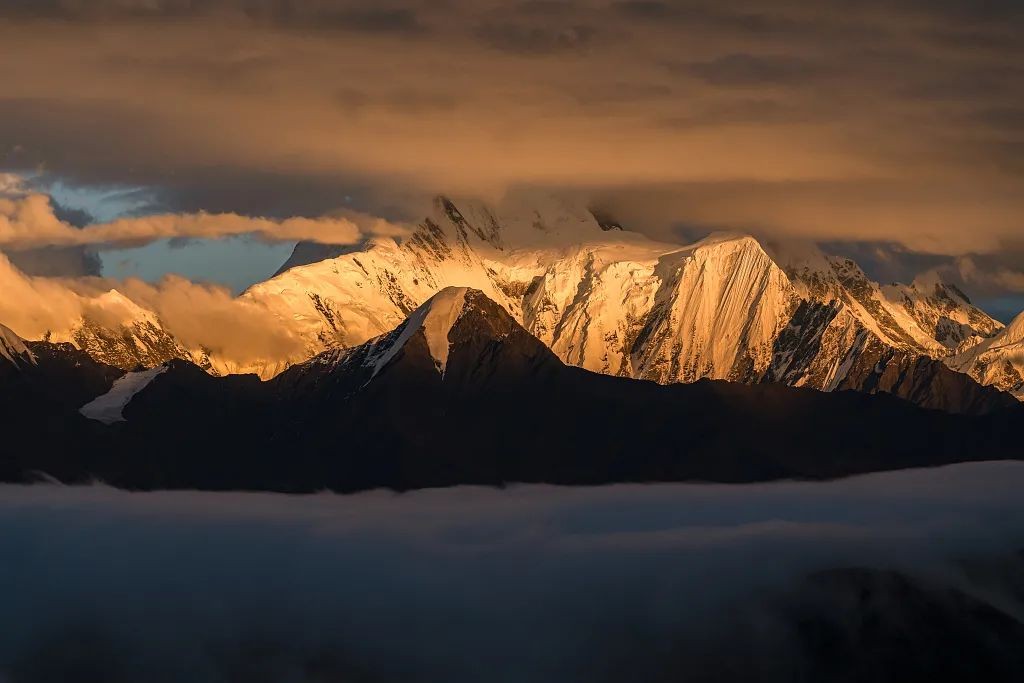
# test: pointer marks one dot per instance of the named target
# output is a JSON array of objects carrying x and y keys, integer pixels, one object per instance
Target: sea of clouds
[{"x": 528, "y": 583}]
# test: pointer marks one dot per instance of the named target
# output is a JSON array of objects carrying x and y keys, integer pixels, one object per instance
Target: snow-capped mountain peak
[
  {"x": 719, "y": 305},
  {"x": 997, "y": 361},
  {"x": 13, "y": 349},
  {"x": 114, "y": 303},
  {"x": 115, "y": 330},
  {"x": 538, "y": 220},
  {"x": 459, "y": 337},
  {"x": 1014, "y": 332},
  {"x": 435, "y": 320},
  {"x": 929, "y": 317}
]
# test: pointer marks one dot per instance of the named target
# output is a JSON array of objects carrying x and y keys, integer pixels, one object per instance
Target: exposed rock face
[
  {"x": 928, "y": 317},
  {"x": 139, "y": 343},
  {"x": 13, "y": 349},
  {"x": 944, "y": 312},
  {"x": 825, "y": 347},
  {"x": 998, "y": 361},
  {"x": 118, "y": 332},
  {"x": 305, "y": 253}
]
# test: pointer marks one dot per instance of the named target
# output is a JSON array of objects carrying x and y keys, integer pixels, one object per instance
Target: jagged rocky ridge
[
  {"x": 997, "y": 361},
  {"x": 461, "y": 393},
  {"x": 614, "y": 302}
]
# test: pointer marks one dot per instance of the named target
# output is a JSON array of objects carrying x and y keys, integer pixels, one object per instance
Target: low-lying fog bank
[{"x": 531, "y": 583}]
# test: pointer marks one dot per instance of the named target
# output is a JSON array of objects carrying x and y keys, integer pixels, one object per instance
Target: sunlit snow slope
[{"x": 608, "y": 300}]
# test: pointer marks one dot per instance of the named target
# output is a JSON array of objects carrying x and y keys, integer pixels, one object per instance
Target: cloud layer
[
  {"x": 199, "y": 316},
  {"x": 528, "y": 583},
  {"x": 901, "y": 123},
  {"x": 30, "y": 221},
  {"x": 903, "y": 117}
]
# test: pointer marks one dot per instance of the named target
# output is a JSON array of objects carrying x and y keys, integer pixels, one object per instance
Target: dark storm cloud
[
  {"x": 981, "y": 11},
  {"x": 89, "y": 9},
  {"x": 745, "y": 69},
  {"x": 519, "y": 38},
  {"x": 620, "y": 93},
  {"x": 92, "y": 141},
  {"x": 234, "y": 72},
  {"x": 61, "y": 261},
  {"x": 748, "y": 111},
  {"x": 279, "y": 195},
  {"x": 399, "y": 20},
  {"x": 745, "y": 19},
  {"x": 57, "y": 262},
  {"x": 407, "y": 98},
  {"x": 970, "y": 84},
  {"x": 76, "y": 217},
  {"x": 545, "y": 8},
  {"x": 1000, "y": 119},
  {"x": 342, "y": 14}
]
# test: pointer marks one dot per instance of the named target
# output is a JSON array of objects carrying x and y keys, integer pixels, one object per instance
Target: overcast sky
[{"x": 894, "y": 125}]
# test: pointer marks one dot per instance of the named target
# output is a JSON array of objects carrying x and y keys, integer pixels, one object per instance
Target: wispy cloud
[{"x": 30, "y": 221}]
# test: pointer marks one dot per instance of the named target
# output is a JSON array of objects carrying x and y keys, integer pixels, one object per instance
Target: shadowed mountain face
[
  {"x": 460, "y": 393},
  {"x": 41, "y": 388}
]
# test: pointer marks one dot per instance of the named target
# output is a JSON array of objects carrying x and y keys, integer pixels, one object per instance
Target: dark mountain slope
[
  {"x": 461, "y": 394},
  {"x": 41, "y": 388}
]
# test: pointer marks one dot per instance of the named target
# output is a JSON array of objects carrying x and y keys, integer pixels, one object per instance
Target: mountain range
[
  {"x": 458, "y": 393},
  {"x": 615, "y": 302}
]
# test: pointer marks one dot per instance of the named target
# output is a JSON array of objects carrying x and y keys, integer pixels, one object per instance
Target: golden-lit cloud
[
  {"x": 30, "y": 221},
  {"x": 200, "y": 316},
  {"x": 901, "y": 119}
]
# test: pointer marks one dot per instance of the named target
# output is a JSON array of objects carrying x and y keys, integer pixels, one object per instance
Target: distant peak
[
  {"x": 435, "y": 318},
  {"x": 12, "y": 347},
  {"x": 726, "y": 242},
  {"x": 605, "y": 220},
  {"x": 1015, "y": 330},
  {"x": 522, "y": 221},
  {"x": 114, "y": 296},
  {"x": 728, "y": 236},
  {"x": 928, "y": 281},
  {"x": 117, "y": 304},
  {"x": 448, "y": 206}
]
